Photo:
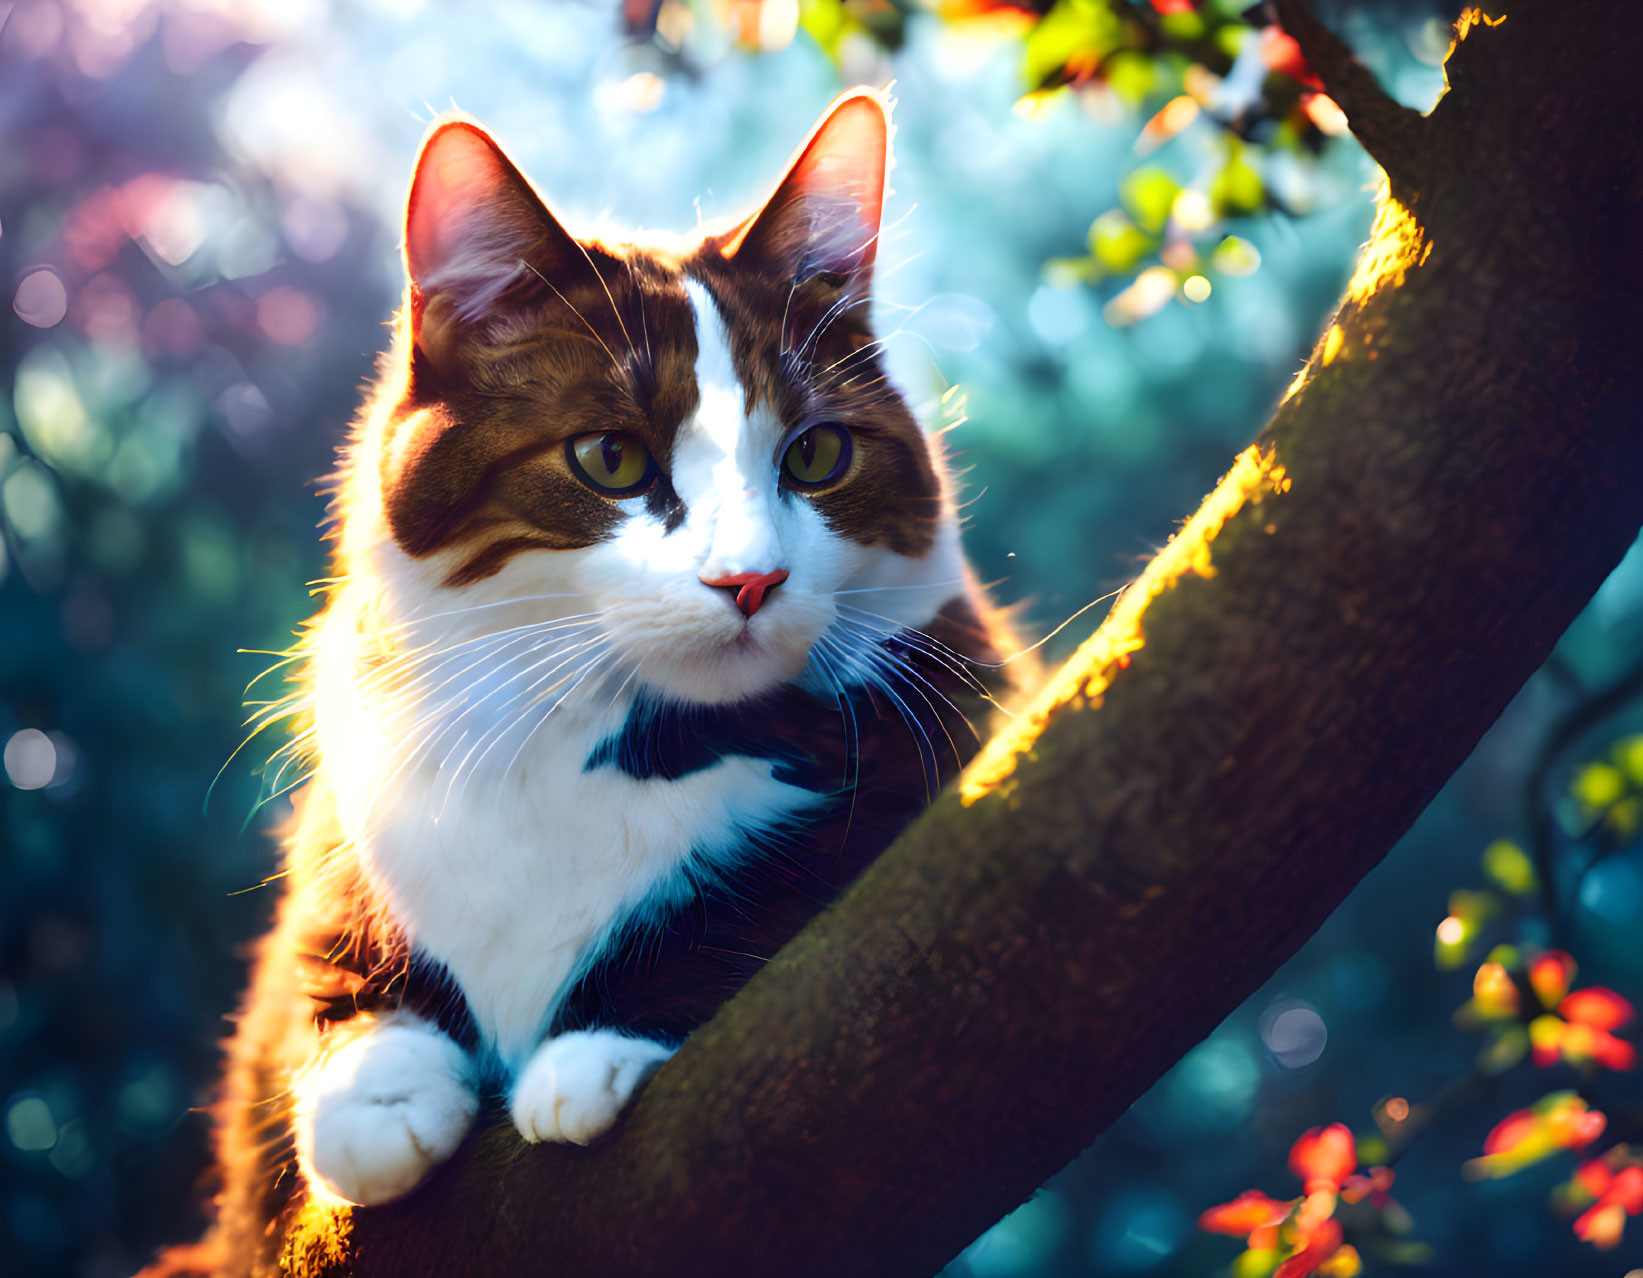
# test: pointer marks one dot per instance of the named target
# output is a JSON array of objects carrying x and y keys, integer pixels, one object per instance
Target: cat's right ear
[{"x": 476, "y": 235}]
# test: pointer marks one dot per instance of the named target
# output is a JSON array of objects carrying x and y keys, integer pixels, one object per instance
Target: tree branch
[
  {"x": 1249, "y": 732},
  {"x": 1540, "y": 815},
  {"x": 1391, "y": 132}
]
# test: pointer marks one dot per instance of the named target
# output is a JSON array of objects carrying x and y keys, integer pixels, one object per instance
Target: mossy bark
[{"x": 1465, "y": 464}]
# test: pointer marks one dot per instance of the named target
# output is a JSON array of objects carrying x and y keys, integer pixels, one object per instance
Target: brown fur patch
[
  {"x": 473, "y": 456},
  {"x": 806, "y": 349}
]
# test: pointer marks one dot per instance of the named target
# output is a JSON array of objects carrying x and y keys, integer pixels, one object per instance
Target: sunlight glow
[
  {"x": 325, "y": 1228},
  {"x": 1091, "y": 670},
  {"x": 1397, "y": 243}
]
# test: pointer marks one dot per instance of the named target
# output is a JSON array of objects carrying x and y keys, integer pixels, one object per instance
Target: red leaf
[
  {"x": 1594, "y": 1177},
  {"x": 1627, "y": 1190},
  {"x": 1323, "y": 1158},
  {"x": 1250, "y": 1211},
  {"x": 1324, "y": 1243},
  {"x": 1601, "y": 1225},
  {"x": 1598, "y": 1007},
  {"x": 1615, "y": 1053},
  {"x": 1282, "y": 54},
  {"x": 1550, "y": 975},
  {"x": 1510, "y": 1132}
]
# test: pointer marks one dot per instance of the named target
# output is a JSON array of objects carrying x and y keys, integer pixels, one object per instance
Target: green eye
[
  {"x": 612, "y": 465},
  {"x": 817, "y": 457}
]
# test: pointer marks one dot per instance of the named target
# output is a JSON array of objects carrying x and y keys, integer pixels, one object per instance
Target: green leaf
[
  {"x": 1503, "y": 1051},
  {"x": 1117, "y": 244},
  {"x": 1405, "y": 1254},
  {"x": 1149, "y": 195},
  {"x": 826, "y": 23},
  {"x": 1178, "y": 28},
  {"x": 1237, "y": 189},
  {"x": 1256, "y": 1263},
  {"x": 1065, "y": 272},
  {"x": 1081, "y": 30},
  {"x": 1132, "y": 76},
  {"x": 1231, "y": 38},
  {"x": 1509, "y": 868},
  {"x": 1598, "y": 785},
  {"x": 1235, "y": 256}
]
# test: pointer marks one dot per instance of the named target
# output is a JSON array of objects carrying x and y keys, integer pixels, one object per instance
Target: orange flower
[{"x": 1324, "y": 1157}]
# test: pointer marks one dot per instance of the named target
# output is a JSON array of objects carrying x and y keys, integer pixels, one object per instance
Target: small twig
[
  {"x": 1460, "y": 1092},
  {"x": 1388, "y": 130},
  {"x": 1142, "y": 14}
]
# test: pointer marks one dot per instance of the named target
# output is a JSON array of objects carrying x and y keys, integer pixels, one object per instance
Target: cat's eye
[
  {"x": 817, "y": 457},
  {"x": 612, "y": 464}
]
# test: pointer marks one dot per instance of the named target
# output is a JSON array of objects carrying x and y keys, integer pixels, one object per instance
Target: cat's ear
[
  {"x": 823, "y": 218},
  {"x": 476, "y": 234}
]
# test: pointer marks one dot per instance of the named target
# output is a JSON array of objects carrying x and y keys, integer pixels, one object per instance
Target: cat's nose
[{"x": 750, "y": 588}]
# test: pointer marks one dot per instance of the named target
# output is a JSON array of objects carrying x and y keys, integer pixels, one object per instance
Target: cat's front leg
[
  {"x": 383, "y": 1102},
  {"x": 575, "y": 1085}
]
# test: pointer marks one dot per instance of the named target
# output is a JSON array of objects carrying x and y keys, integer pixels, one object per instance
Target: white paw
[
  {"x": 576, "y": 1084},
  {"x": 381, "y": 1109}
]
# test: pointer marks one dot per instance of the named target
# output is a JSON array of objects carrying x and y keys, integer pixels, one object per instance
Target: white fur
[
  {"x": 464, "y": 791},
  {"x": 385, "y": 1103},
  {"x": 576, "y": 1084}
]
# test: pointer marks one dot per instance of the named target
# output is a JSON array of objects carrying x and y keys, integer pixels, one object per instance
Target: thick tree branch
[
  {"x": 1249, "y": 733},
  {"x": 1388, "y": 130}
]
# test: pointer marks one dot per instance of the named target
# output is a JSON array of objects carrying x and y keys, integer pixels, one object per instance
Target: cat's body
[{"x": 651, "y": 628}]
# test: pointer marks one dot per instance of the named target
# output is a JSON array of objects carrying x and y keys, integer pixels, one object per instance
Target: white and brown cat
[{"x": 650, "y": 628}]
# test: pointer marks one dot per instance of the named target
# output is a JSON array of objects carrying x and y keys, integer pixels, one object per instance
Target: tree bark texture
[{"x": 1266, "y": 711}]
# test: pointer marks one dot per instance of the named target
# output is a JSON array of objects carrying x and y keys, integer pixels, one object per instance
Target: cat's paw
[
  {"x": 576, "y": 1084},
  {"x": 381, "y": 1108}
]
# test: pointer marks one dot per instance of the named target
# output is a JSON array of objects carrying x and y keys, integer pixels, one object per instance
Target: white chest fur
[{"x": 508, "y": 865}]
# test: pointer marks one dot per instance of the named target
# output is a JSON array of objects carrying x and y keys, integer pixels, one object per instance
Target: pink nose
[{"x": 750, "y": 587}]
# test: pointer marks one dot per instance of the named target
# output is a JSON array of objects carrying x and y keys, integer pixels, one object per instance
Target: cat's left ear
[{"x": 823, "y": 218}]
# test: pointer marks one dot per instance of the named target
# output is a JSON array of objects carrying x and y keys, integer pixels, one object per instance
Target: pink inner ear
[
  {"x": 825, "y": 212},
  {"x": 459, "y": 176},
  {"x": 845, "y": 160}
]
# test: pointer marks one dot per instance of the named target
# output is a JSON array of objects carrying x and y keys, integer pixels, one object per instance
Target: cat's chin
[{"x": 739, "y": 668}]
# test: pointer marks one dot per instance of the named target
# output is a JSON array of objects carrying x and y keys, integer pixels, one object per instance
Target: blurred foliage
[
  {"x": 198, "y": 208},
  {"x": 1222, "y": 70}
]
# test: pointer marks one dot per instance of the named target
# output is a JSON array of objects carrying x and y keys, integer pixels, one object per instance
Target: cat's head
[{"x": 689, "y": 445}]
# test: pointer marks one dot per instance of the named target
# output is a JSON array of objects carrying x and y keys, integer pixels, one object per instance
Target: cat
[{"x": 650, "y": 627}]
